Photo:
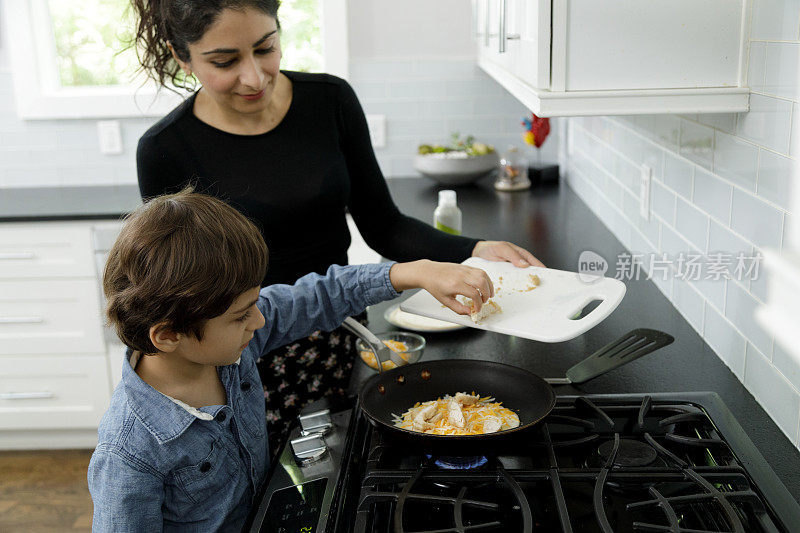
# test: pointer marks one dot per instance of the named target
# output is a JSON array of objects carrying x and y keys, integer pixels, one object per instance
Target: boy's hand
[
  {"x": 444, "y": 281},
  {"x": 505, "y": 251}
]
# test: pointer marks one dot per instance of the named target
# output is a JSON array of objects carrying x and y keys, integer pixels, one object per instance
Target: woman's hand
[
  {"x": 505, "y": 251},
  {"x": 444, "y": 281}
]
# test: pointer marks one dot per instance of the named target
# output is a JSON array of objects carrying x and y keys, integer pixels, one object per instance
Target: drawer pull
[
  {"x": 17, "y": 255},
  {"x": 21, "y": 320},
  {"x": 25, "y": 395}
]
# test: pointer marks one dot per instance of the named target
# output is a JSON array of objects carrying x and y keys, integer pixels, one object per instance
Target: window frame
[{"x": 39, "y": 96}]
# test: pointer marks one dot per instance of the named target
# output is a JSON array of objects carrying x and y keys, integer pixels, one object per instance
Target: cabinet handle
[
  {"x": 501, "y": 30},
  {"x": 25, "y": 395},
  {"x": 21, "y": 320},
  {"x": 17, "y": 255}
]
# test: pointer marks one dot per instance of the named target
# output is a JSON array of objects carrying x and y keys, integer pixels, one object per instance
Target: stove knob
[
  {"x": 308, "y": 450},
  {"x": 318, "y": 422}
]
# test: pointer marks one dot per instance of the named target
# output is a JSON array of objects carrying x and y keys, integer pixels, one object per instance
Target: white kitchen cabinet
[
  {"x": 609, "y": 57},
  {"x": 53, "y": 392},
  {"x": 55, "y": 382}
]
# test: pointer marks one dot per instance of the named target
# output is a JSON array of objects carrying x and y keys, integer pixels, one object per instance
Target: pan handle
[{"x": 356, "y": 328}]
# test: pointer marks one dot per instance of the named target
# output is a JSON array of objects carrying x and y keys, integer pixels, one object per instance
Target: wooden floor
[{"x": 44, "y": 491}]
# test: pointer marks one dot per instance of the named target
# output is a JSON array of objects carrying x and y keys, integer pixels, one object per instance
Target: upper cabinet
[{"x": 616, "y": 57}]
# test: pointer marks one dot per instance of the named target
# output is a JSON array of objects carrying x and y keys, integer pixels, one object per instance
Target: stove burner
[
  {"x": 630, "y": 452},
  {"x": 458, "y": 463}
]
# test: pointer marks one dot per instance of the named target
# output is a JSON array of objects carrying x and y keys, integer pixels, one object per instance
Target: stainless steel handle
[
  {"x": 21, "y": 320},
  {"x": 17, "y": 255},
  {"x": 501, "y": 29},
  {"x": 25, "y": 395},
  {"x": 558, "y": 381}
]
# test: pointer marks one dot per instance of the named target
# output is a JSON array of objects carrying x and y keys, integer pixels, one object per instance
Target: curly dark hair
[{"x": 179, "y": 23}]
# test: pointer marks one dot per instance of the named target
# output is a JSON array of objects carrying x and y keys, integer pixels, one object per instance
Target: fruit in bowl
[{"x": 460, "y": 163}]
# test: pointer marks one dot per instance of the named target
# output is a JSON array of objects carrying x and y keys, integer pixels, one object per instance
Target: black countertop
[
  {"x": 557, "y": 226},
  {"x": 40, "y": 204}
]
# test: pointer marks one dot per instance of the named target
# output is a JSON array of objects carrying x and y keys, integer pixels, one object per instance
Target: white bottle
[{"x": 447, "y": 216}]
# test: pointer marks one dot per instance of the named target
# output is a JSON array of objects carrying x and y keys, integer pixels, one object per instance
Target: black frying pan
[{"x": 397, "y": 390}]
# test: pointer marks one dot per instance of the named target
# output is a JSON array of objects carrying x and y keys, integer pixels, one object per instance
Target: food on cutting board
[
  {"x": 489, "y": 308},
  {"x": 462, "y": 414},
  {"x": 396, "y": 346}
]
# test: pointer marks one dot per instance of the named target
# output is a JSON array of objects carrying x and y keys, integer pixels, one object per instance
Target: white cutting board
[{"x": 542, "y": 314}]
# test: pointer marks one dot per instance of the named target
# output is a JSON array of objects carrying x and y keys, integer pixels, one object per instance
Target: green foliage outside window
[{"x": 90, "y": 36}]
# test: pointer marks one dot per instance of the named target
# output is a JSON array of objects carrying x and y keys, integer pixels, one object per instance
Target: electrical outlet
[
  {"x": 109, "y": 136},
  {"x": 377, "y": 130},
  {"x": 644, "y": 192}
]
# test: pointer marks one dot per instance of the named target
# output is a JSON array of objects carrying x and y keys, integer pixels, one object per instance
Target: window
[{"x": 68, "y": 58}]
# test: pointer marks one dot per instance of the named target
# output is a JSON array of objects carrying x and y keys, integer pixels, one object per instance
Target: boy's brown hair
[{"x": 181, "y": 259}]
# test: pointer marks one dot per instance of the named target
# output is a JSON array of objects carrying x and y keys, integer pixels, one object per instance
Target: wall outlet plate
[
  {"x": 109, "y": 135},
  {"x": 644, "y": 192},
  {"x": 377, "y": 130}
]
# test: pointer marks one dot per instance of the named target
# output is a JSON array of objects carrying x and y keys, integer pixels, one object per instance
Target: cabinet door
[
  {"x": 53, "y": 392},
  {"x": 45, "y": 250},
  {"x": 50, "y": 316},
  {"x": 532, "y": 62},
  {"x": 503, "y": 24},
  {"x": 649, "y": 44}
]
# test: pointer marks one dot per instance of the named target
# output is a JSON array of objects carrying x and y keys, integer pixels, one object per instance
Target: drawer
[
  {"x": 50, "y": 317},
  {"x": 53, "y": 392},
  {"x": 46, "y": 251}
]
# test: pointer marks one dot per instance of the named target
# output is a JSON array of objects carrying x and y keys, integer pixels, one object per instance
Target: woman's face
[{"x": 238, "y": 60}]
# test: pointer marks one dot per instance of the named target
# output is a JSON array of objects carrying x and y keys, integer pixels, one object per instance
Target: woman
[{"x": 292, "y": 152}]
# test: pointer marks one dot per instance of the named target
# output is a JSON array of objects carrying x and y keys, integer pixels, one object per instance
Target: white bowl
[{"x": 455, "y": 171}]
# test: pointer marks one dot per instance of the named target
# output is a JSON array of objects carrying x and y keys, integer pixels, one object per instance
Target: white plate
[
  {"x": 396, "y": 317},
  {"x": 544, "y": 313}
]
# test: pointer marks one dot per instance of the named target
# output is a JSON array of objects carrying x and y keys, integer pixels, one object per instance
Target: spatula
[{"x": 627, "y": 348}]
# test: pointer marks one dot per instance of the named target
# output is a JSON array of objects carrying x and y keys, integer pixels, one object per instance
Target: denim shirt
[{"x": 162, "y": 466}]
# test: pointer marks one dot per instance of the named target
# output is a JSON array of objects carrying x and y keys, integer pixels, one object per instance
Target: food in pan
[
  {"x": 462, "y": 414},
  {"x": 488, "y": 308},
  {"x": 396, "y": 346}
]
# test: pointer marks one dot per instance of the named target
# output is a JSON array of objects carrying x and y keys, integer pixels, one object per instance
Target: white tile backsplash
[
  {"x": 691, "y": 223},
  {"x": 767, "y": 123},
  {"x": 775, "y": 20},
  {"x": 775, "y": 173},
  {"x": 727, "y": 177},
  {"x": 697, "y": 143},
  {"x": 756, "y": 220},
  {"x": 780, "y": 77},
  {"x": 712, "y": 195},
  {"x": 662, "y": 201},
  {"x": 726, "y": 341},
  {"x": 774, "y": 392},
  {"x": 735, "y": 160}
]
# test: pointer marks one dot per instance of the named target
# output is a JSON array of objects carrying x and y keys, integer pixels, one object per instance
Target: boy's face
[{"x": 226, "y": 335}]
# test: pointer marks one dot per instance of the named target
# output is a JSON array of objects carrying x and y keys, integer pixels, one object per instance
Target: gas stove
[{"x": 612, "y": 463}]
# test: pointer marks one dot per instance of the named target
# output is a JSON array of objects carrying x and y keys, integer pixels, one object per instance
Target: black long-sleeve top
[{"x": 295, "y": 181}]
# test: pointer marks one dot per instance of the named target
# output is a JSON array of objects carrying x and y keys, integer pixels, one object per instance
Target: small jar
[{"x": 513, "y": 175}]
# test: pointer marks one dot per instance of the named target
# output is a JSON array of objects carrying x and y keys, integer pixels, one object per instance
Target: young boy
[{"x": 183, "y": 444}]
